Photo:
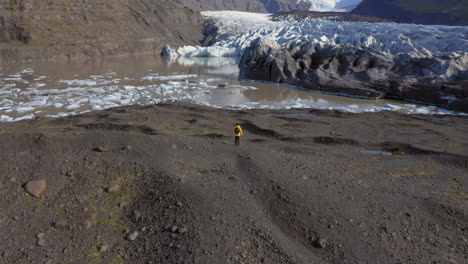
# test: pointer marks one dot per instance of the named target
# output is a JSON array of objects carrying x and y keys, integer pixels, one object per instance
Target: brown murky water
[{"x": 28, "y": 90}]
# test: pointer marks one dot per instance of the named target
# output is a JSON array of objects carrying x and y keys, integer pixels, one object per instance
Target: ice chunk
[{"x": 79, "y": 82}]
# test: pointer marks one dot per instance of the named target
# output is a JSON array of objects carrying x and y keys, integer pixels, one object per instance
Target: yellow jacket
[{"x": 239, "y": 128}]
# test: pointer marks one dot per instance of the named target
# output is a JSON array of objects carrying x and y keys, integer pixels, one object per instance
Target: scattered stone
[
  {"x": 87, "y": 224},
  {"x": 102, "y": 149},
  {"x": 132, "y": 236},
  {"x": 61, "y": 224},
  {"x": 41, "y": 242},
  {"x": 114, "y": 188},
  {"x": 103, "y": 247},
  {"x": 143, "y": 229},
  {"x": 13, "y": 179},
  {"x": 127, "y": 148},
  {"x": 135, "y": 216},
  {"x": 179, "y": 204},
  {"x": 320, "y": 243},
  {"x": 40, "y": 235},
  {"x": 182, "y": 230},
  {"x": 280, "y": 188},
  {"x": 36, "y": 187}
]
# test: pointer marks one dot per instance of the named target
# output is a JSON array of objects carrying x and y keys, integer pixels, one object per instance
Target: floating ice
[
  {"x": 79, "y": 82},
  {"x": 169, "y": 77}
]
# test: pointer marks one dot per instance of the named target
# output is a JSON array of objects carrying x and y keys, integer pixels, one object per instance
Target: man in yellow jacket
[{"x": 237, "y": 134}]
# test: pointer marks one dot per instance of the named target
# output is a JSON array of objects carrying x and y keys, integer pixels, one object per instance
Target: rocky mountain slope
[
  {"x": 446, "y": 12},
  {"x": 34, "y": 29}
]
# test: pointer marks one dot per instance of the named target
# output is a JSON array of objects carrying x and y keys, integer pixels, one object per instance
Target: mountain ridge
[
  {"x": 431, "y": 12},
  {"x": 38, "y": 30}
]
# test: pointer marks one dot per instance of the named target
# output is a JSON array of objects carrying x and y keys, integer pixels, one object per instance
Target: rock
[
  {"x": 102, "y": 149},
  {"x": 320, "y": 243},
  {"x": 13, "y": 179},
  {"x": 61, "y": 224},
  {"x": 103, "y": 248},
  {"x": 280, "y": 188},
  {"x": 135, "y": 216},
  {"x": 87, "y": 224},
  {"x": 182, "y": 230},
  {"x": 127, "y": 148},
  {"x": 174, "y": 229},
  {"x": 36, "y": 187},
  {"x": 40, "y": 235},
  {"x": 132, "y": 236},
  {"x": 41, "y": 242},
  {"x": 113, "y": 189}
]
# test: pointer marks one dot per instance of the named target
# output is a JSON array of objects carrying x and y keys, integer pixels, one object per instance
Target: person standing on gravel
[{"x": 237, "y": 134}]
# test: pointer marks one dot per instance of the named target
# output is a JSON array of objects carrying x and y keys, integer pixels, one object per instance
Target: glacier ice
[
  {"x": 237, "y": 30},
  {"x": 332, "y": 5}
]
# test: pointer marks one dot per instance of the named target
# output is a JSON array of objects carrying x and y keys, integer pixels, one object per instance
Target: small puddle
[
  {"x": 376, "y": 152},
  {"x": 289, "y": 115}
]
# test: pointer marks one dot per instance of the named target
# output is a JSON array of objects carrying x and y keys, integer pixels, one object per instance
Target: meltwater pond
[{"x": 29, "y": 90}]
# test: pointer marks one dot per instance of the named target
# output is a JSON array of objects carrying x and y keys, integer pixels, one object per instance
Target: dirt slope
[
  {"x": 172, "y": 174},
  {"x": 40, "y": 30}
]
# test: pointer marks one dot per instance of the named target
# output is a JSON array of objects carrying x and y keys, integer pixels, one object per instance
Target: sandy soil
[{"x": 296, "y": 183}]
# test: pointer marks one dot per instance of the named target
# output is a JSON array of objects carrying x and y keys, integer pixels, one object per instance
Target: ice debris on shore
[{"x": 62, "y": 98}]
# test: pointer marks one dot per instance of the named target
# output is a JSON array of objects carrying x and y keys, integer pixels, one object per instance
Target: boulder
[{"x": 36, "y": 187}]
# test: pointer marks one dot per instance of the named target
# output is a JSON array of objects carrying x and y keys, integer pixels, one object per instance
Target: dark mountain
[
  {"x": 39, "y": 30},
  {"x": 432, "y": 12}
]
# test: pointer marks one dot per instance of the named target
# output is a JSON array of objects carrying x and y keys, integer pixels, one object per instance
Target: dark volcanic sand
[{"x": 295, "y": 179}]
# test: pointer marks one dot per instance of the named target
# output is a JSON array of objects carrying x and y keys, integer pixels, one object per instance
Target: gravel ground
[{"x": 165, "y": 184}]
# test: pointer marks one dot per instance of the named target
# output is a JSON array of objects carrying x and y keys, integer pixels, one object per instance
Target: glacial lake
[{"x": 50, "y": 89}]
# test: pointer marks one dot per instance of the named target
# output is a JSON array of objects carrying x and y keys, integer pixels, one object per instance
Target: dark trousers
[{"x": 237, "y": 141}]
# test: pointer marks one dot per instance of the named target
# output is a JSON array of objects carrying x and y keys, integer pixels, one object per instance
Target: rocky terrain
[
  {"x": 54, "y": 29},
  {"x": 165, "y": 184},
  {"x": 431, "y": 12}
]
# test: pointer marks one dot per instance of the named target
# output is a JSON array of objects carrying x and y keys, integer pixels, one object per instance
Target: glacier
[
  {"x": 237, "y": 30},
  {"x": 416, "y": 63},
  {"x": 332, "y": 5}
]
